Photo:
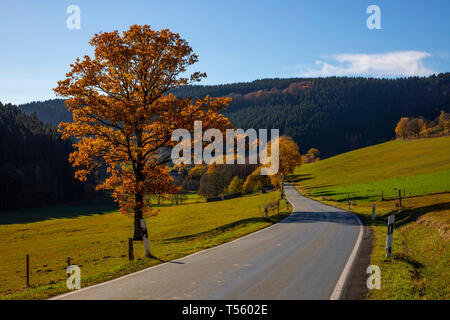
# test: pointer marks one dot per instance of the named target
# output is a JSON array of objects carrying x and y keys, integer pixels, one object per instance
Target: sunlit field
[{"x": 96, "y": 239}]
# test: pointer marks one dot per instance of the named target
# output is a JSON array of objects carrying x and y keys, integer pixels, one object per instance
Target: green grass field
[
  {"x": 96, "y": 239},
  {"x": 417, "y": 166},
  {"x": 418, "y": 268}
]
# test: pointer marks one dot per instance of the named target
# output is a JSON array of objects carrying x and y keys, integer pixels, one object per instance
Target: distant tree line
[
  {"x": 411, "y": 127},
  {"x": 220, "y": 179}
]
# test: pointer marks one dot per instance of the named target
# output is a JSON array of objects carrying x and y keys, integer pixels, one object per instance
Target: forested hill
[
  {"x": 335, "y": 114},
  {"x": 50, "y": 111},
  {"x": 33, "y": 162}
]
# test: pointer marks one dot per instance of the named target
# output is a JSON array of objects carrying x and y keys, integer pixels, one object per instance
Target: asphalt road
[{"x": 302, "y": 257}]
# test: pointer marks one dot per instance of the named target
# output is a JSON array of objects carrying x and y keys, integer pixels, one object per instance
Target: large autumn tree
[
  {"x": 289, "y": 159},
  {"x": 124, "y": 114}
]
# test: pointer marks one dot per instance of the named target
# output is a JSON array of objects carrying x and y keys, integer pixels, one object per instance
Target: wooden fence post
[
  {"x": 389, "y": 236},
  {"x": 130, "y": 249},
  {"x": 68, "y": 265},
  {"x": 28, "y": 270},
  {"x": 348, "y": 200},
  {"x": 278, "y": 207}
]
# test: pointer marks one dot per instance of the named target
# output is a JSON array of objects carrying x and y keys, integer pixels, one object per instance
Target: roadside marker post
[
  {"x": 266, "y": 215},
  {"x": 145, "y": 238},
  {"x": 373, "y": 212},
  {"x": 389, "y": 236},
  {"x": 348, "y": 200}
]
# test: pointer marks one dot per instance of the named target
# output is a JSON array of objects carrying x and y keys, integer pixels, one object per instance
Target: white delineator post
[
  {"x": 389, "y": 236},
  {"x": 145, "y": 238}
]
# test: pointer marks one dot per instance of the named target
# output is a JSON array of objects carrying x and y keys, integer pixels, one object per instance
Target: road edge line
[{"x": 339, "y": 288}]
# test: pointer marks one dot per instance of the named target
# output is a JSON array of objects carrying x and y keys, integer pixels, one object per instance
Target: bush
[{"x": 235, "y": 185}]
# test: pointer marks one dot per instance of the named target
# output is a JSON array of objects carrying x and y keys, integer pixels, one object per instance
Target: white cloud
[{"x": 390, "y": 64}]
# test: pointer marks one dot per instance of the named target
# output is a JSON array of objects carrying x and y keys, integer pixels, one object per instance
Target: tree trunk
[
  {"x": 139, "y": 193},
  {"x": 138, "y": 214}
]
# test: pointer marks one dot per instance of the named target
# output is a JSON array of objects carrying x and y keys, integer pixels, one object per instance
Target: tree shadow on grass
[
  {"x": 53, "y": 212},
  {"x": 405, "y": 216},
  {"x": 299, "y": 177},
  {"x": 164, "y": 261},
  {"x": 342, "y": 196},
  {"x": 402, "y": 257},
  {"x": 319, "y": 186}
]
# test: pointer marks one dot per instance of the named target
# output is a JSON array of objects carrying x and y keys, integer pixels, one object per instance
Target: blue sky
[{"x": 236, "y": 40}]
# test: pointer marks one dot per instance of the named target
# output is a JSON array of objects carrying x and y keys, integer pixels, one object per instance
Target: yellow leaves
[{"x": 289, "y": 158}]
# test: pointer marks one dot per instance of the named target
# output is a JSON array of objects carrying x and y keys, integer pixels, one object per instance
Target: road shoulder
[{"x": 356, "y": 287}]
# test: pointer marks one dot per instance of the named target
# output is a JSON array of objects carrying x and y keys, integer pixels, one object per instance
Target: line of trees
[
  {"x": 215, "y": 180},
  {"x": 409, "y": 127}
]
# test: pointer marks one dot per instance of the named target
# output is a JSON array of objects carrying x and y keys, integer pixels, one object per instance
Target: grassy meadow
[
  {"x": 96, "y": 238},
  {"x": 418, "y": 167},
  {"x": 418, "y": 268}
]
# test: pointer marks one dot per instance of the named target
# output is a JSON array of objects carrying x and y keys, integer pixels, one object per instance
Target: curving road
[{"x": 305, "y": 256}]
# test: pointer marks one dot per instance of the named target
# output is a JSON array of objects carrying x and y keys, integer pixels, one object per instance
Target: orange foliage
[
  {"x": 123, "y": 115},
  {"x": 289, "y": 155},
  {"x": 289, "y": 158}
]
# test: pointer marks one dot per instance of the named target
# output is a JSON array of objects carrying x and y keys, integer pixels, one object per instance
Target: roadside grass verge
[{"x": 98, "y": 242}]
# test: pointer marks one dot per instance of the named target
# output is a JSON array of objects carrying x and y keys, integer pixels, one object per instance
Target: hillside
[
  {"x": 420, "y": 169},
  {"x": 33, "y": 162},
  {"x": 333, "y": 114},
  {"x": 416, "y": 166}
]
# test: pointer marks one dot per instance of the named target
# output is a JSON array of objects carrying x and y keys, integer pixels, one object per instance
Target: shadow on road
[{"x": 314, "y": 217}]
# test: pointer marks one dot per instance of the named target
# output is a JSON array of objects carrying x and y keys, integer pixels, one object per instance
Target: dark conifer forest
[{"x": 34, "y": 170}]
